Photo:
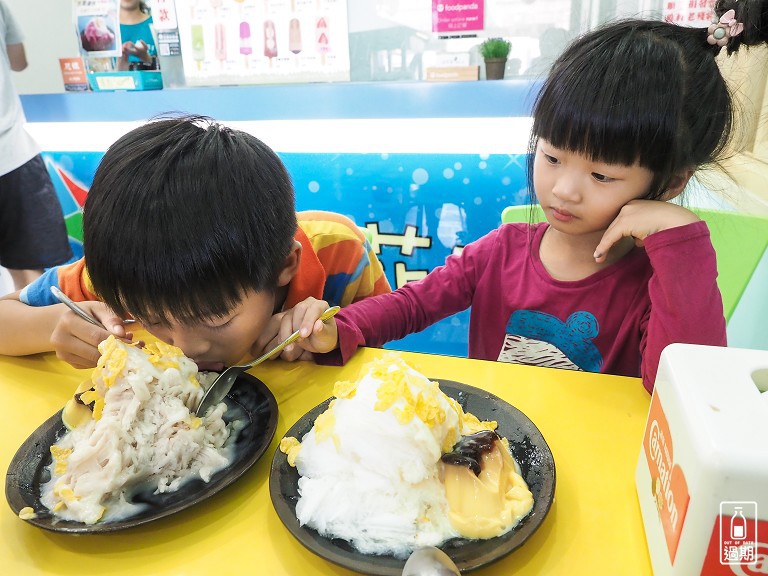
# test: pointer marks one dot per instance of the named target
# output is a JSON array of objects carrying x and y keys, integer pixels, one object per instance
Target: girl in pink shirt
[{"x": 617, "y": 272}]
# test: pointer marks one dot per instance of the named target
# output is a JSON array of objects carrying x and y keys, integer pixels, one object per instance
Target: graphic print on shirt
[{"x": 540, "y": 339}]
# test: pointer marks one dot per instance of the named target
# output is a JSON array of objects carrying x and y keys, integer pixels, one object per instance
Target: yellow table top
[{"x": 593, "y": 424}]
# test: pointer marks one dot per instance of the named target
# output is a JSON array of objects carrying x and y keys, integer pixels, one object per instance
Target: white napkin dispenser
[{"x": 702, "y": 475}]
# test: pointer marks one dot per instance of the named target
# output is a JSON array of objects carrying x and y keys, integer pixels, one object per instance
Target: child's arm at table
[
  {"x": 375, "y": 321},
  {"x": 28, "y": 330}
]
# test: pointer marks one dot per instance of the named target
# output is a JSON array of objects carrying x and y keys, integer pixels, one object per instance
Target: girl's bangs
[
  {"x": 606, "y": 128},
  {"x": 597, "y": 104}
]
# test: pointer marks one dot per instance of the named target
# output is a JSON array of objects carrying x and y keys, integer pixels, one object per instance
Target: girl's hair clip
[{"x": 722, "y": 30}]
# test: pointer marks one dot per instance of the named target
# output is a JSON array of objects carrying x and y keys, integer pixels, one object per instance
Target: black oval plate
[
  {"x": 27, "y": 471},
  {"x": 526, "y": 443}
]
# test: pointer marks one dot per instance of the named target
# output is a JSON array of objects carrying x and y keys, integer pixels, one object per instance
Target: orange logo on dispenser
[{"x": 668, "y": 485}]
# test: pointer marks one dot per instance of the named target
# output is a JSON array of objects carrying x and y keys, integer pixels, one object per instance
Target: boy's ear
[
  {"x": 677, "y": 184},
  {"x": 291, "y": 265}
]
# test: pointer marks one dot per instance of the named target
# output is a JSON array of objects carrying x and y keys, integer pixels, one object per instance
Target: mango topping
[
  {"x": 27, "y": 513},
  {"x": 290, "y": 446}
]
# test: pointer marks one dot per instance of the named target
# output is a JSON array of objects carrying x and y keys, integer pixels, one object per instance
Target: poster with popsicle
[{"x": 226, "y": 42}]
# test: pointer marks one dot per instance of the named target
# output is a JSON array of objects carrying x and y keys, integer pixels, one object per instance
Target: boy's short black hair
[{"x": 183, "y": 215}]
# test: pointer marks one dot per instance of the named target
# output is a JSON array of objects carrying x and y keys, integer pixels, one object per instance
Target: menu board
[{"x": 263, "y": 41}]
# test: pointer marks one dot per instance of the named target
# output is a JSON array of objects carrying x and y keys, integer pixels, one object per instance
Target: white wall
[{"x": 49, "y": 35}]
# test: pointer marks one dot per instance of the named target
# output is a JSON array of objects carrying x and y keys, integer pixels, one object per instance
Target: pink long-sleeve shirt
[{"x": 615, "y": 321}]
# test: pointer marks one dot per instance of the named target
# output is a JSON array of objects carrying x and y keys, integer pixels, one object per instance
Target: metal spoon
[
  {"x": 64, "y": 299},
  {"x": 223, "y": 384},
  {"x": 430, "y": 561}
]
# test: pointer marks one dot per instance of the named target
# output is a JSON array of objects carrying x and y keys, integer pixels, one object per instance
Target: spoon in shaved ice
[{"x": 430, "y": 561}]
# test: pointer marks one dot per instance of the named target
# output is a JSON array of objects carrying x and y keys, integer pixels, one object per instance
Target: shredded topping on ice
[{"x": 141, "y": 433}]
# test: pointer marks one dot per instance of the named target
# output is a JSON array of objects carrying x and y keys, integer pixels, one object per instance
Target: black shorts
[{"x": 32, "y": 230}]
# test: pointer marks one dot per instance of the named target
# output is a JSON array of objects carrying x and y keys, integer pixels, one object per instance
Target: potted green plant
[{"x": 495, "y": 52}]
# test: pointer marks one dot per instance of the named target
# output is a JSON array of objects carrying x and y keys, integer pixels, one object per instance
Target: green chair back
[
  {"x": 522, "y": 213},
  {"x": 740, "y": 241}
]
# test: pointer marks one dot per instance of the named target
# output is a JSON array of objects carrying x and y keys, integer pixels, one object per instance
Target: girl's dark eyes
[{"x": 596, "y": 175}]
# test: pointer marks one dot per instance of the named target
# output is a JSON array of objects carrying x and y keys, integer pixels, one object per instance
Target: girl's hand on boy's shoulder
[
  {"x": 639, "y": 219},
  {"x": 76, "y": 341}
]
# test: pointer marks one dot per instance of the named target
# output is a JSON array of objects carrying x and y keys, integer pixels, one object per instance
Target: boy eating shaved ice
[{"x": 190, "y": 228}]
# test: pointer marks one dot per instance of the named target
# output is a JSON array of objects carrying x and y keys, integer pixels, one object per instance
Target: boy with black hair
[{"x": 190, "y": 228}]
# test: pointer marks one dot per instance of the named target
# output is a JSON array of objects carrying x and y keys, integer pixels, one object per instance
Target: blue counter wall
[{"x": 302, "y": 101}]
